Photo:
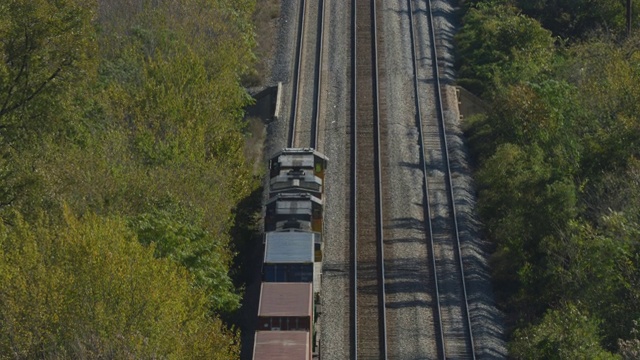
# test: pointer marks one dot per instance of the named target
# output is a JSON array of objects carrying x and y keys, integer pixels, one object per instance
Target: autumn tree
[
  {"x": 131, "y": 110},
  {"x": 45, "y": 46},
  {"x": 86, "y": 288}
]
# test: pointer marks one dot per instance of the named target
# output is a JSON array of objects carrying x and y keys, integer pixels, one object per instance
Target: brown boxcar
[
  {"x": 282, "y": 345},
  {"x": 286, "y": 306}
]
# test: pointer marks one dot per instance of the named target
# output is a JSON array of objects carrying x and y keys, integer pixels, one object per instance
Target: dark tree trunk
[{"x": 628, "y": 17}]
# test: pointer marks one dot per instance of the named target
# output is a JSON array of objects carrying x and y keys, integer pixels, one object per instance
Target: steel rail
[
  {"x": 440, "y": 111},
  {"x": 318, "y": 77},
  {"x": 293, "y": 139},
  {"x": 425, "y": 184},
  {"x": 353, "y": 186},
  {"x": 379, "y": 203},
  {"x": 296, "y": 76}
]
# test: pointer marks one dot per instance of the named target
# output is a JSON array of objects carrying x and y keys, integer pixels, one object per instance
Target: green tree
[
  {"x": 176, "y": 233},
  {"x": 630, "y": 349},
  {"x": 565, "y": 333},
  {"x": 605, "y": 76},
  {"x": 152, "y": 113},
  {"x": 597, "y": 269},
  {"x": 544, "y": 114},
  {"x": 576, "y": 19},
  {"x": 499, "y": 46},
  {"x": 523, "y": 202},
  {"x": 558, "y": 178}
]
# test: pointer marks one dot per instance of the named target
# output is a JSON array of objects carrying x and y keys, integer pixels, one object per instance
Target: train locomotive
[{"x": 293, "y": 252}]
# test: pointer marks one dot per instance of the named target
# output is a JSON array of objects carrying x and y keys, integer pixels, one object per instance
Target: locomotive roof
[
  {"x": 291, "y": 176},
  {"x": 293, "y": 207},
  {"x": 297, "y": 157},
  {"x": 293, "y": 224},
  {"x": 294, "y": 197},
  {"x": 293, "y": 203},
  {"x": 293, "y": 247}
]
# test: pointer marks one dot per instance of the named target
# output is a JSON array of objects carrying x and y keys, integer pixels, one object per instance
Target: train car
[
  {"x": 301, "y": 211},
  {"x": 282, "y": 345},
  {"x": 293, "y": 245},
  {"x": 286, "y": 307},
  {"x": 289, "y": 256},
  {"x": 298, "y": 159}
]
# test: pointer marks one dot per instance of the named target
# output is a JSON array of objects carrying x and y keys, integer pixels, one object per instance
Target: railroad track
[
  {"x": 455, "y": 336},
  {"x": 371, "y": 328},
  {"x": 372, "y": 331},
  {"x": 369, "y": 325},
  {"x": 306, "y": 90}
]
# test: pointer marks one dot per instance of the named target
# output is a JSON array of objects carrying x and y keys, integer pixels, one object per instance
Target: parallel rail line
[
  {"x": 454, "y": 323},
  {"x": 369, "y": 326},
  {"x": 318, "y": 77},
  {"x": 296, "y": 76},
  {"x": 297, "y": 122},
  {"x": 427, "y": 206}
]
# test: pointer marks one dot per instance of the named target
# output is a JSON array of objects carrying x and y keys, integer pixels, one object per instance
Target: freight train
[{"x": 293, "y": 252}]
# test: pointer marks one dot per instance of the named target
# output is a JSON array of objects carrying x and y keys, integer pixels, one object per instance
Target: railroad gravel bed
[
  {"x": 408, "y": 275},
  {"x": 454, "y": 323},
  {"x": 306, "y": 90},
  {"x": 334, "y": 142},
  {"x": 486, "y": 320},
  {"x": 282, "y": 71}
]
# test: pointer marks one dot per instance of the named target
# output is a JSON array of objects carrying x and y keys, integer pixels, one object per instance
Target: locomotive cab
[{"x": 298, "y": 159}]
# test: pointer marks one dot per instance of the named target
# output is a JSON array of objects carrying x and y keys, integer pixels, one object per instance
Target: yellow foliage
[{"x": 87, "y": 288}]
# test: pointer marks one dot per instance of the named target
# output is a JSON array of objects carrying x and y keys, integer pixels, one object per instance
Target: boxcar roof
[
  {"x": 286, "y": 299},
  {"x": 281, "y": 345},
  {"x": 292, "y": 247}
]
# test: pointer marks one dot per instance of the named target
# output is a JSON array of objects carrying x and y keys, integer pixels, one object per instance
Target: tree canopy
[
  {"x": 86, "y": 288},
  {"x": 557, "y": 171}
]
